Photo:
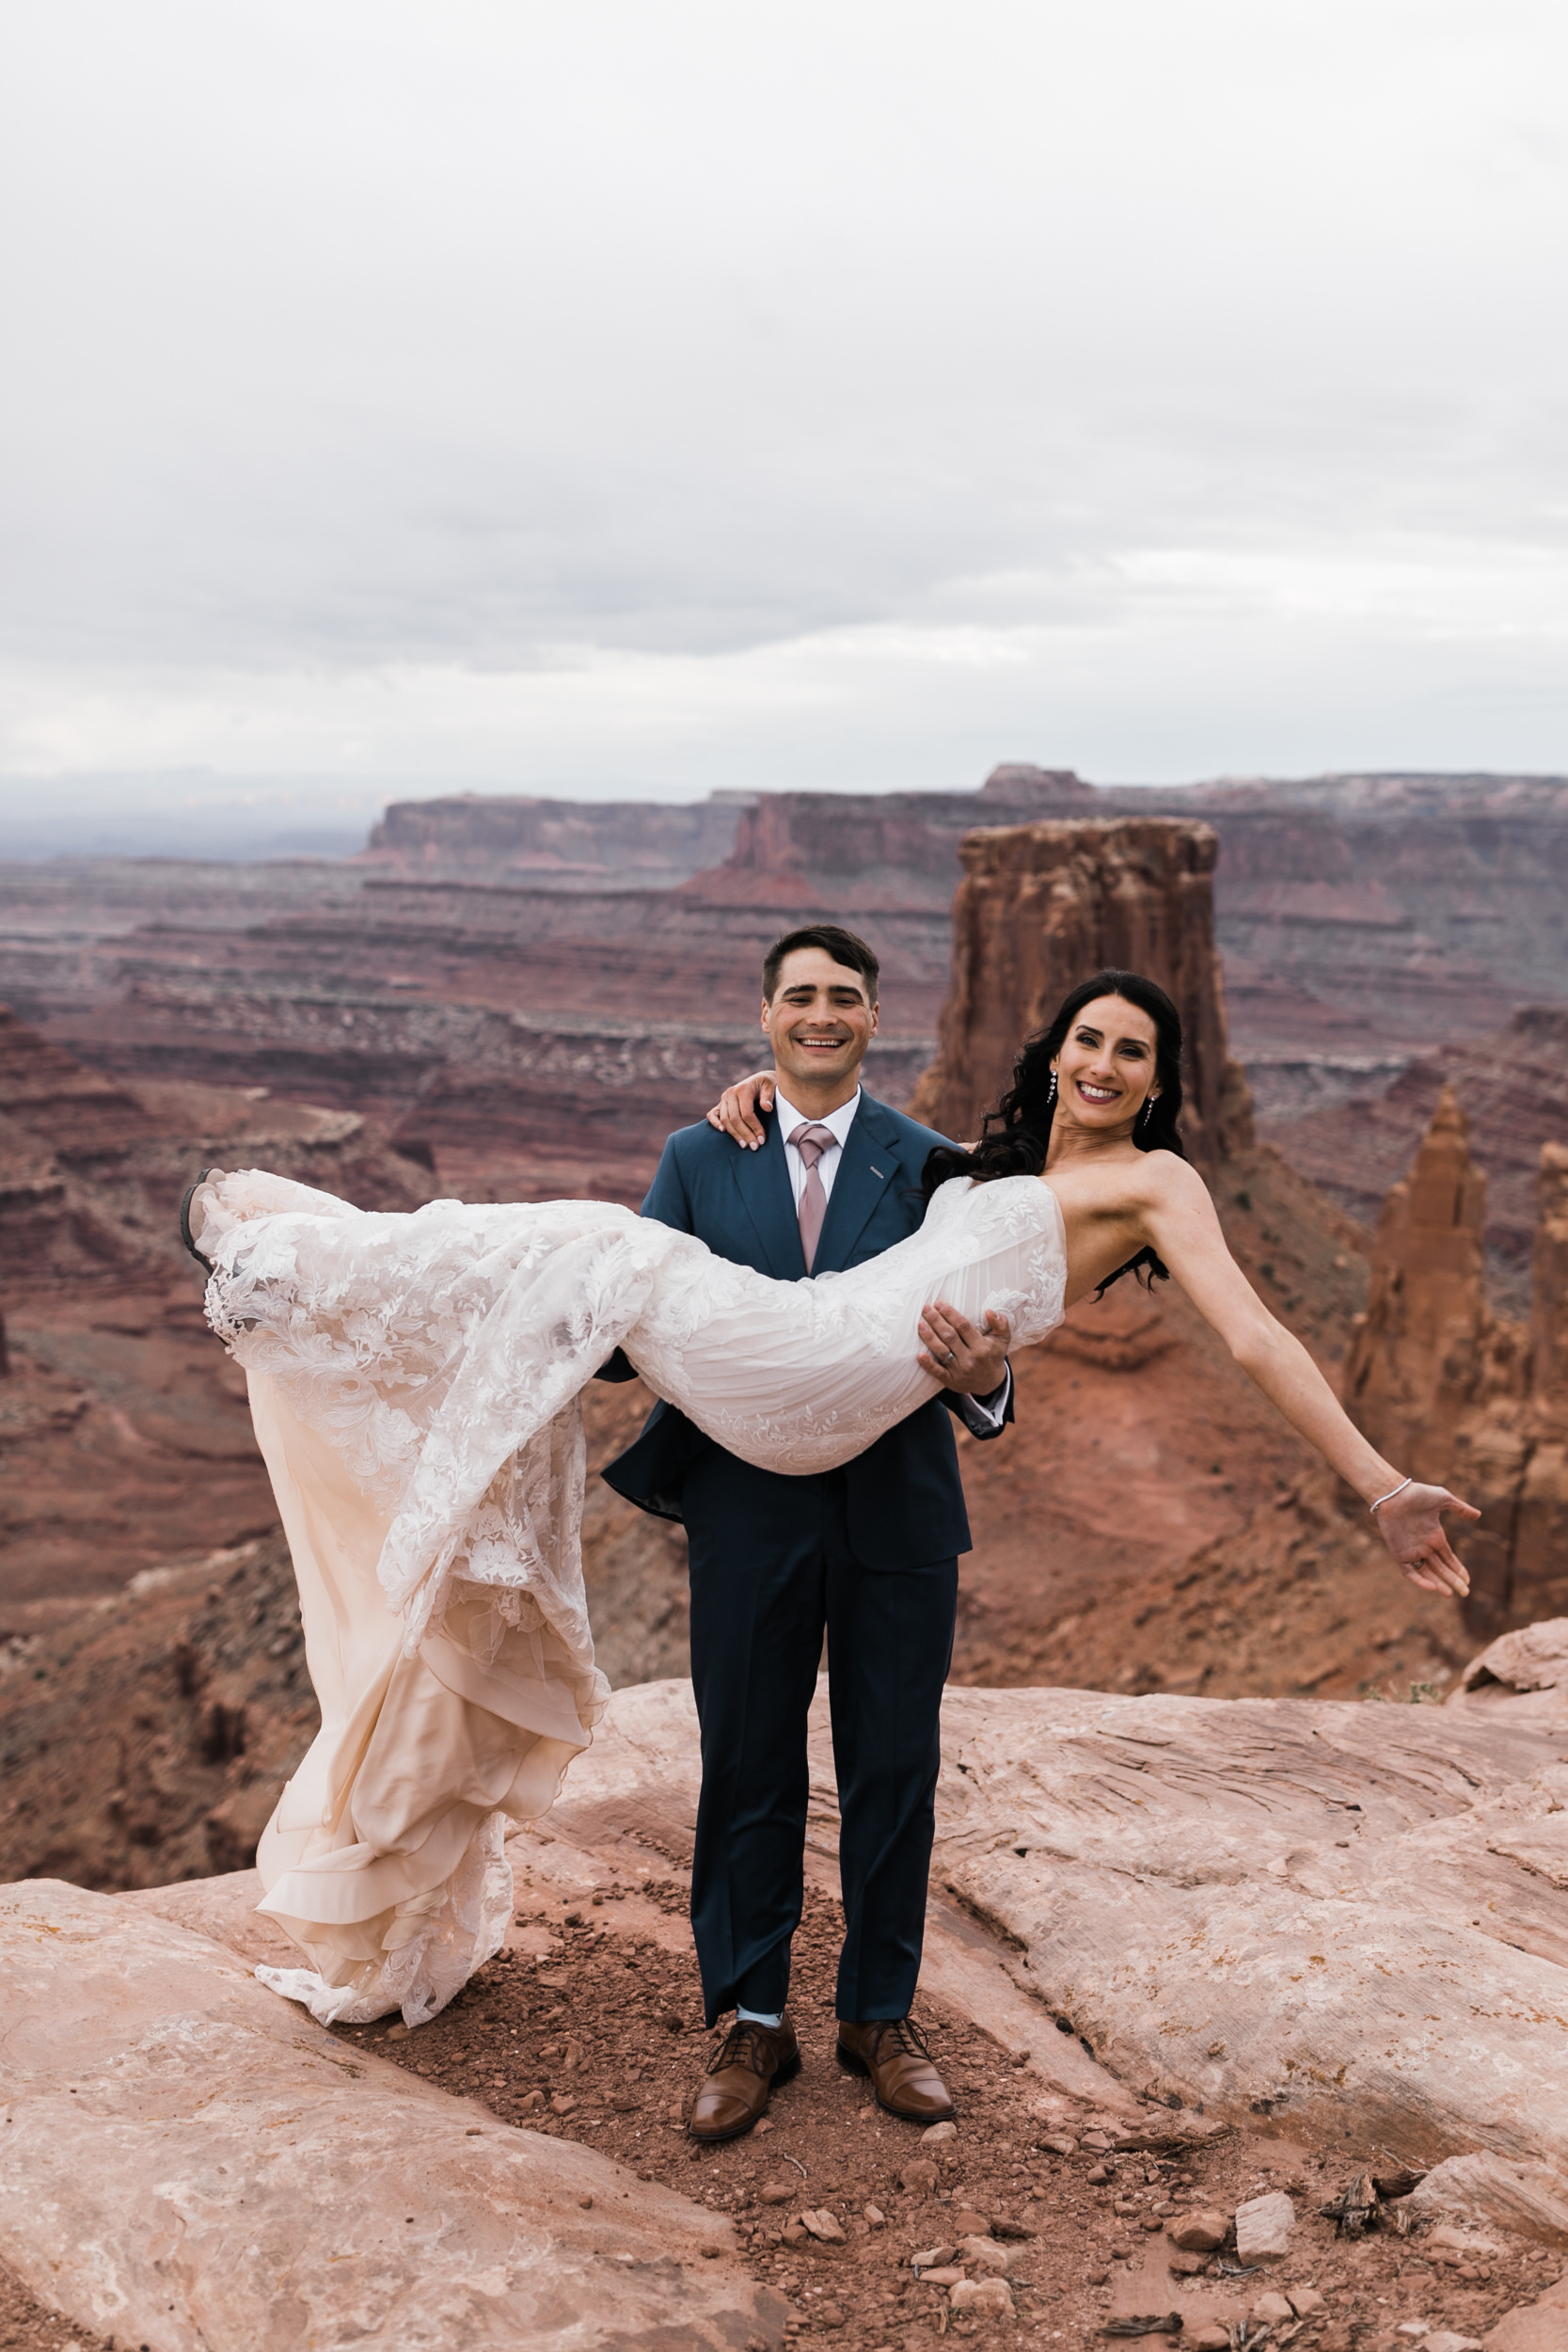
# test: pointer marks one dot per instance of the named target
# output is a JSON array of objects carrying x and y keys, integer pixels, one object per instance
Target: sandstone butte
[
  {"x": 1041, "y": 906},
  {"x": 1328, "y": 1916}
]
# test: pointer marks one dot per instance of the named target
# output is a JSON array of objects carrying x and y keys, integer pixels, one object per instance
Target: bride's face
[{"x": 1105, "y": 1069}]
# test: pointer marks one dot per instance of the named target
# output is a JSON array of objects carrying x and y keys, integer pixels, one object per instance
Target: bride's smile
[{"x": 1105, "y": 1073}]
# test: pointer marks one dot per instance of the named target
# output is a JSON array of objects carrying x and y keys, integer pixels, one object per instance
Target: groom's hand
[
  {"x": 970, "y": 1362},
  {"x": 737, "y": 1111}
]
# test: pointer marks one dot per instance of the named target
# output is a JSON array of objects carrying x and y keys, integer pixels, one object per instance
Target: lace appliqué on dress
[{"x": 436, "y": 1946}]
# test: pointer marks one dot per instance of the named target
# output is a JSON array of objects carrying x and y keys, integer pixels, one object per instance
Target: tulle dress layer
[{"x": 415, "y": 1384}]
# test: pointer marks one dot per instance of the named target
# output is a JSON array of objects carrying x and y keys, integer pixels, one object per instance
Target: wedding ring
[{"x": 951, "y": 1353}]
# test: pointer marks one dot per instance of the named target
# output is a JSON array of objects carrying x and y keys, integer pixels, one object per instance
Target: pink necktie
[{"x": 811, "y": 1142}]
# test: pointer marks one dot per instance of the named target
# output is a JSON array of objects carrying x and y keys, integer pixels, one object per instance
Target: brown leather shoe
[
  {"x": 740, "y": 2077},
  {"x": 893, "y": 2052}
]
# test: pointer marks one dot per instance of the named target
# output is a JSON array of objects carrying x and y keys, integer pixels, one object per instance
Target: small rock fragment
[
  {"x": 1209, "y": 2339},
  {"x": 585, "y": 2201},
  {"x": 824, "y": 2225},
  {"x": 1305, "y": 2301},
  {"x": 875, "y": 2214},
  {"x": 934, "y": 2258},
  {"x": 918, "y": 2179},
  {"x": 1271, "y": 2311},
  {"x": 946, "y": 2275},
  {"x": 1445, "y": 2339},
  {"x": 983, "y": 2254},
  {"x": 935, "y": 2135},
  {"x": 1098, "y": 2174},
  {"x": 987, "y": 2298},
  {"x": 968, "y": 2224},
  {"x": 1059, "y": 2143},
  {"x": 1263, "y": 2227},
  {"x": 829, "y": 2315},
  {"x": 775, "y": 2193},
  {"x": 1200, "y": 2232}
]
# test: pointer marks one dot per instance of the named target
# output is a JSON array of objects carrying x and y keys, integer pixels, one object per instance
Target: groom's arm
[
  {"x": 984, "y": 1416},
  {"x": 667, "y": 1203}
]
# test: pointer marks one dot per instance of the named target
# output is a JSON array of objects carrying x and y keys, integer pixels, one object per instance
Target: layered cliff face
[
  {"x": 563, "y": 845},
  {"x": 125, "y": 1430},
  {"x": 875, "y": 853},
  {"x": 1041, "y": 907},
  {"x": 1459, "y": 1396}
]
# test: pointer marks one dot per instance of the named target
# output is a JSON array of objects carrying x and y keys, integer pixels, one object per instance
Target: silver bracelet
[{"x": 1391, "y": 1493}]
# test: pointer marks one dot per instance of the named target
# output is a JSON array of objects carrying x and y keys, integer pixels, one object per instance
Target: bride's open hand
[{"x": 1411, "y": 1527}]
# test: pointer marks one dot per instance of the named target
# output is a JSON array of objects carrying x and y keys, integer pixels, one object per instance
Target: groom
[{"x": 868, "y": 1553}]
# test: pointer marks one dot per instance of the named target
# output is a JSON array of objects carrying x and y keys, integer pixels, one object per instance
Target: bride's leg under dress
[{"x": 384, "y": 1859}]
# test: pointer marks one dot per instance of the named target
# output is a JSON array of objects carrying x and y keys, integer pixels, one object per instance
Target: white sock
[{"x": 759, "y": 2017}]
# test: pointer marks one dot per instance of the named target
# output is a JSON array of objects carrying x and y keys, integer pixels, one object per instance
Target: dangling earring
[
  {"x": 1149, "y": 1106},
  {"x": 1051, "y": 1095}
]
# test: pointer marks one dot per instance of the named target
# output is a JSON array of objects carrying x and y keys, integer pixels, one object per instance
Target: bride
[{"x": 415, "y": 1384}]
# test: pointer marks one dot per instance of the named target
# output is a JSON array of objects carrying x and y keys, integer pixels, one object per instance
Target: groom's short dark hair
[{"x": 845, "y": 947}]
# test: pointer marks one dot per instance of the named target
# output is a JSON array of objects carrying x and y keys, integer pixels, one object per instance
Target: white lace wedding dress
[{"x": 415, "y": 1383}]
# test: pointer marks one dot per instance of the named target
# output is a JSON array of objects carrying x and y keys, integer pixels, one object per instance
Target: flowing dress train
[{"x": 415, "y": 1384}]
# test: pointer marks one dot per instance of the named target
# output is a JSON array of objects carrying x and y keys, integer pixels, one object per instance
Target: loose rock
[
  {"x": 1201, "y": 2231},
  {"x": 989, "y": 2298},
  {"x": 1263, "y": 2227},
  {"x": 983, "y": 2253}
]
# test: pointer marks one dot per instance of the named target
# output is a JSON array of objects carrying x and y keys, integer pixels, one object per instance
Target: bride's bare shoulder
[{"x": 1164, "y": 1180}]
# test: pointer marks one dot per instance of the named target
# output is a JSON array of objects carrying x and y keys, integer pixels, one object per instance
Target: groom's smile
[{"x": 819, "y": 1020}]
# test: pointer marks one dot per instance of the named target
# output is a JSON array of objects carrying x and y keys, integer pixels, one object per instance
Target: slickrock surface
[
  {"x": 1176, "y": 1869},
  {"x": 1343, "y": 1917},
  {"x": 188, "y": 2163}
]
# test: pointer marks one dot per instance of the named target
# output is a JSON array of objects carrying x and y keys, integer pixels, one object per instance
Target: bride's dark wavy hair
[{"x": 1016, "y": 1136}]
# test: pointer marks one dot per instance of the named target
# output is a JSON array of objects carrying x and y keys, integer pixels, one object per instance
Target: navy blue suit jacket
[{"x": 905, "y": 1498}]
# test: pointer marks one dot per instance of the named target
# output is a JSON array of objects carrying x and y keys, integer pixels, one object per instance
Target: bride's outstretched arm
[{"x": 1180, "y": 1221}]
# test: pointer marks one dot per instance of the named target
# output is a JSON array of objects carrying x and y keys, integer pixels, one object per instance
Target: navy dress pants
[{"x": 771, "y": 1570}]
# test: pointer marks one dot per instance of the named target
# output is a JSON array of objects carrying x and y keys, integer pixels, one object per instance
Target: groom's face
[{"x": 820, "y": 1019}]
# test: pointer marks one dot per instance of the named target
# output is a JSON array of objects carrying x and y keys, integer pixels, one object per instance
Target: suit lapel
[
  {"x": 867, "y": 1165},
  {"x": 762, "y": 1180}
]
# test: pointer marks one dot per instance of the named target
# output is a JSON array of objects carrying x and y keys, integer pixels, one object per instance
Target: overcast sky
[{"x": 636, "y": 398}]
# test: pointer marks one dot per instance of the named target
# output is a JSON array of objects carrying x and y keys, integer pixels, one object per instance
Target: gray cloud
[{"x": 1144, "y": 344}]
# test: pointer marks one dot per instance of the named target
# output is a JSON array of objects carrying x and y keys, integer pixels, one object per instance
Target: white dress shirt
[
  {"x": 983, "y": 1415},
  {"x": 840, "y": 1121}
]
